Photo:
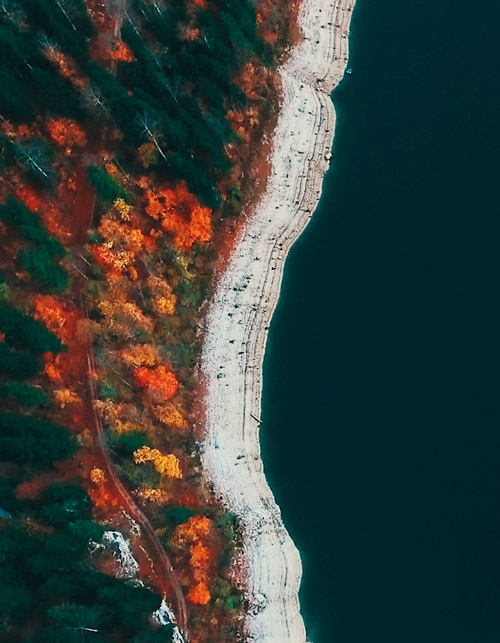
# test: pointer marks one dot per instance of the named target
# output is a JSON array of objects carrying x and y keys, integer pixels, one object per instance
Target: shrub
[
  {"x": 179, "y": 515},
  {"x": 106, "y": 187},
  {"x": 127, "y": 443}
]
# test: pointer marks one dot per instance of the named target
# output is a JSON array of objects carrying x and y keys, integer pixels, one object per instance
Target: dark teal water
[{"x": 381, "y": 425}]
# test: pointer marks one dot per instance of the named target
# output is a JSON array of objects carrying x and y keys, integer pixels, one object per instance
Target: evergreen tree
[
  {"x": 141, "y": 603},
  {"x": 15, "y": 103},
  {"x": 64, "y": 503},
  {"x": 127, "y": 443},
  {"x": 72, "y": 621},
  {"x": 27, "y": 333},
  {"x": 15, "y": 212},
  {"x": 18, "y": 365},
  {"x": 26, "y": 440},
  {"x": 23, "y": 393},
  {"x": 42, "y": 269},
  {"x": 55, "y": 94}
]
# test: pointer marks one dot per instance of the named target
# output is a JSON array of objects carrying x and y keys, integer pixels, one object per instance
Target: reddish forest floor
[{"x": 155, "y": 566}]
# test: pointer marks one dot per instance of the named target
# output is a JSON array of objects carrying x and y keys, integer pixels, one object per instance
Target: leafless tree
[
  {"x": 12, "y": 10},
  {"x": 150, "y": 127},
  {"x": 94, "y": 99},
  {"x": 34, "y": 157},
  {"x": 62, "y": 6}
]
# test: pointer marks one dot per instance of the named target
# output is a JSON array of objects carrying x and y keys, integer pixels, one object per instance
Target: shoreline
[{"x": 238, "y": 318}]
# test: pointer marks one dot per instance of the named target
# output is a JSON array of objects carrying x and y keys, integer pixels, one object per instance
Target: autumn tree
[
  {"x": 160, "y": 381},
  {"x": 66, "y": 132},
  {"x": 199, "y": 594},
  {"x": 166, "y": 464}
]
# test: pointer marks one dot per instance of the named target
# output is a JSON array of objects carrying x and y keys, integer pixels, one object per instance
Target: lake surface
[{"x": 381, "y": 426}]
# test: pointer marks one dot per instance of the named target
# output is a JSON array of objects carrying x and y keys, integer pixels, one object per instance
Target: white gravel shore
[{"x": 239, "y": 316}]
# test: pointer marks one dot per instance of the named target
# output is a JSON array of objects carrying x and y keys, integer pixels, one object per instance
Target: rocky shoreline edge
[{"x": 239, "y": 314}]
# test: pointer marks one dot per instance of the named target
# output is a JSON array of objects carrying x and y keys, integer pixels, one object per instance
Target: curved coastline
[{"x": 238, "y": 318}]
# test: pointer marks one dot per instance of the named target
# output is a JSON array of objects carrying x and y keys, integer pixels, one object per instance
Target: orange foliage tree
[
  {"x": 194, "y": 529},
  {"x": 199, "y": 594},
  {"x": 59, "y": 317},
  {"x": 122, "y": 243},
  {"x": 66, "y": 132},
  {"x": 66, "y": 66},
  {"x": 179, "y": 213},
  {"x": 121, "y": 52},
  {"x": 160, "y": 380},
  {"x": 65, "y": 396},
  {"x": 97, "y": 476},
  {"x": 53, "y": 367},
  {"x": 195, "y": 532}
]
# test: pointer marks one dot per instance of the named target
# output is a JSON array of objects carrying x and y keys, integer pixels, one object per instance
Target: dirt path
[
  {"x": 162, "y": 571},
  {"x": 160, "y": 562}
]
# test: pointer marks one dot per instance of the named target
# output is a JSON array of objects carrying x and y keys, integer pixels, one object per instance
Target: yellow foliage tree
[
  {"x": 140, "y": 355},
  {"x": 158, "y": 496},
  {"x": 65, "y": 396},
  {"x": 170, "y": 415},
  {"x": 165, "y": 305},
  {"x": 97, "y": 476},
  {"x": 164, "y": 300},
  {"x": 168, "y": 465},
  {"x": 123, "y": 209}
]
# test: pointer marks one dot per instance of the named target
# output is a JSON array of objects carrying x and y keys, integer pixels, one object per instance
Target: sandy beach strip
[{"x": 240, "y": 312}]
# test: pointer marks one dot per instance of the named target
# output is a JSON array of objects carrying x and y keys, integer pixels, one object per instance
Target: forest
[{"x": 130, "y": 134}]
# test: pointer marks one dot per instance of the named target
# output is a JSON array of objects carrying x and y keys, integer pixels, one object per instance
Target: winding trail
[
  {"x": 165, "y": 578},
  {"x": 160, "y": 562}
]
